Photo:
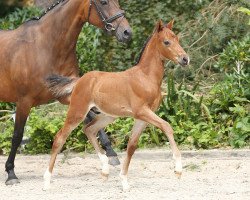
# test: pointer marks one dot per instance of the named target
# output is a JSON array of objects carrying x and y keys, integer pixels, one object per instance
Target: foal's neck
[
  {"x": 151, "y": 62},
  {"x": 62, "y": 25}
]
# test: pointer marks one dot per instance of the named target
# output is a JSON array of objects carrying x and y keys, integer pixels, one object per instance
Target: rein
[{"x": 107, "y": 21}]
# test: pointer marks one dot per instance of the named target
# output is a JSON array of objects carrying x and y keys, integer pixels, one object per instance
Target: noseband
[{"x": 107, "y": 21}]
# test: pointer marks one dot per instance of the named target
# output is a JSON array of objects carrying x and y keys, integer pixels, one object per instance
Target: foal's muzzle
[{"x": 183, "y": 60}]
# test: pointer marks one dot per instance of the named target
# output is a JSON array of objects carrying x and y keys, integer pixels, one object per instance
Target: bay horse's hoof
[
  {"x": 12, "y": 179},
  {"x": 178, "y": 174},
  {"x": 114, "y": 161}
]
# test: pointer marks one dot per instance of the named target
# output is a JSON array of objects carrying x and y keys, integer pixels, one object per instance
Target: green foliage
[
  {"x": 237, "y": 51},
  {"x": 88, "y": 49},
  {"x": 185, "y": 110},
  {"x": 229, "y": 102},
  {"x": 6, "y": 131},
  {"x": 8, "y": 6},
  {"x": 246, "y": 11},
  {"x": 18, "y": 17},
  {"x": 42, "y": 126}
]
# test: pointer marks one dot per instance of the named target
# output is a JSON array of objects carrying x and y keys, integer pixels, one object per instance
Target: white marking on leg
[
  {"x": 178, "y": 164},
  {"x": 124, "y": 179},
  {"x": 47, "y": 178},
  {"x": 105, "y": 163}
]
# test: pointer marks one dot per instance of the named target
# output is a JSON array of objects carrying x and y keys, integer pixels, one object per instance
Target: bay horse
[
  {"x": 46, "y": 45},
  {"x": 134, "y": 93}
]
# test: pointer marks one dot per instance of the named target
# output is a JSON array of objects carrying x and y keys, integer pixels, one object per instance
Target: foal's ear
[
  {"x": 170, "y": 24},
  {"x": 159, "y": 26}
]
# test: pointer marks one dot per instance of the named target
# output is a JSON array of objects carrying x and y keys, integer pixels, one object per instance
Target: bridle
[{"x": 107, "y": 21}]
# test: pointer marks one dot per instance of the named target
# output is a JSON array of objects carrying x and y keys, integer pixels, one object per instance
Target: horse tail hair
[{"x": 60, "y": 86}]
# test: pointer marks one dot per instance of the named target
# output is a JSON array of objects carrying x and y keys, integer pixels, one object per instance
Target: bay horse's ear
[
  {"x": 159, "y": 26},
  {"x": 170, "y": 24}
]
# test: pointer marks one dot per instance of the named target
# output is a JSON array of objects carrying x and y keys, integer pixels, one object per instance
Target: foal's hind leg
[
  {"x": 149, "y": 116},
  {"x": 138, "y": 127},
  {"x": 104, "y": 140},
  {"x": 75, "y": 116},
  {"x": 91, "y": 131}
]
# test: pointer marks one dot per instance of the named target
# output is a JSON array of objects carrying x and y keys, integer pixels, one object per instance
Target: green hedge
[{"x": 207, "y": 103}]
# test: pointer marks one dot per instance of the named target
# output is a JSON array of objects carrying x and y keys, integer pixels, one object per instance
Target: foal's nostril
[{"x": 185, "y": 60}]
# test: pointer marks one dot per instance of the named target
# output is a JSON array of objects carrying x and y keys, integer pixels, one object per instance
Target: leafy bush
[
  {"x": 246, "y": 11},
  {"x": 229, "y": 103},
  {"x": 43, "y": 124},
  {"x": 6, "y": 131},
  {"x": 18, "y": 17},
  {"x": 237, "y": 51},
  {"x": 8, "y": 6}
]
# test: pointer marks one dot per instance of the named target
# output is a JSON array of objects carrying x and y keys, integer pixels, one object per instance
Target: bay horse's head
[
  {"x": 107, "y": 15},
  {"x": 168, "y": 44}
]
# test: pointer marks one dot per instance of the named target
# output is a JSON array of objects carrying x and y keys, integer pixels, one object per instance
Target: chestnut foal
[{"x": 135, "y": 93}]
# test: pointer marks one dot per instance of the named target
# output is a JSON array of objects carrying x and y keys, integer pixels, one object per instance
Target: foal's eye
[
  {"x": 167, "y": 43},
  {"x": 104, "y": 2}
]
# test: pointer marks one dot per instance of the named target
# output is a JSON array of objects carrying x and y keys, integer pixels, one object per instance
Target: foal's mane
[
  {"x": 47, "y": 10},
  {"x": 143, "y": 49}
]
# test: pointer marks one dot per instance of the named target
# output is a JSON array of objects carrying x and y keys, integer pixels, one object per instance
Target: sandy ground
[{"x": 207, "y": 175}]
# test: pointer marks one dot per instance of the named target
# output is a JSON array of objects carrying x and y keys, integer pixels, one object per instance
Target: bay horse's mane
[
  {"x": 143, "y": 49},
  {"x": 46, "y": 11}
]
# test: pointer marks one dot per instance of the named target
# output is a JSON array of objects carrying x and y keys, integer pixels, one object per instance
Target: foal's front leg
[
  {"x": 149, "y": 116},
  {"x": 138, "y": 127}
]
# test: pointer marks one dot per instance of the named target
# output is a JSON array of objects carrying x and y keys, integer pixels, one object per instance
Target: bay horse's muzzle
[{"x": 123, "y": 34}]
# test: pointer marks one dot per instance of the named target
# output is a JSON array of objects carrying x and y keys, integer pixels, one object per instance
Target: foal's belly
[{"x": 114, "y": 106}]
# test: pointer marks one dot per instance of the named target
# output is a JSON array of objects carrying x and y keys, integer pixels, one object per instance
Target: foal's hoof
[
  {"x": 114, "y": 161},
  {"x": 12, "y": 181},
  {"x": 126, "y": 187},
  {"x": 104, "y": 176},
  {"x": 178, "y": 174},
  {"x": 46, "y": 187}
]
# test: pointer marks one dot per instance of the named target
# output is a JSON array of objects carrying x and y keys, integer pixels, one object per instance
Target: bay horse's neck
[
  {"x": 62, "y": 25},
  {"x": 151, "y": 62}
]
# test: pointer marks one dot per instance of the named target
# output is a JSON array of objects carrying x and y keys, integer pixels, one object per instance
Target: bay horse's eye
[
  {"x": 104, "y": 2},
  {"x": 167, "y": 43}
]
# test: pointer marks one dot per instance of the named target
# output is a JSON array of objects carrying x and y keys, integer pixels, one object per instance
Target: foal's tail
[{"x": 60, "y": 86}]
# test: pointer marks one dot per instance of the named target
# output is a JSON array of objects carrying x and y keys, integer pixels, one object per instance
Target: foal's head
[
  {"x": 168, "y": 44},
  {"x": 108, "y": 15}
]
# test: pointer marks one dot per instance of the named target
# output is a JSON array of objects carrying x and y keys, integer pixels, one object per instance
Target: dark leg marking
[
  {"x": 21, "y": 117},
  {"x": 105, "y": 142}
]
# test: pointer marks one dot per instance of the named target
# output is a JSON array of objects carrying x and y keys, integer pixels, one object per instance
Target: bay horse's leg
[
  {"x": 91, "y": 130},
  {"x": 106, "y": 145},
  {"x": 149, "y": 116},
  {"x": 105, "y": 142},
  {"x": 138, "y": 127},
  {"x": 74, "y": 117},
  {"x": 22, "y": 112}
]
